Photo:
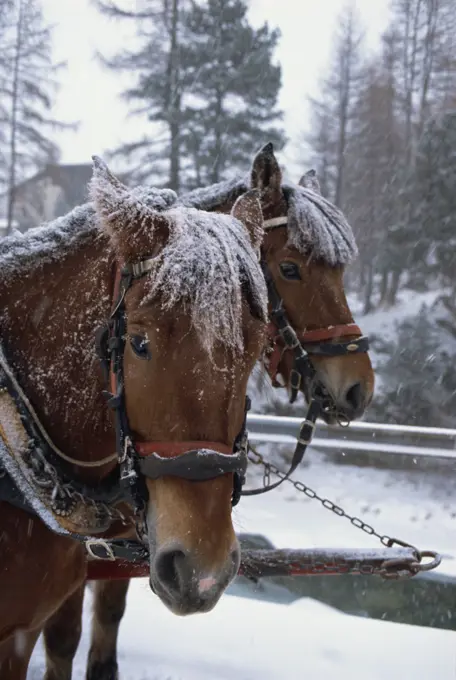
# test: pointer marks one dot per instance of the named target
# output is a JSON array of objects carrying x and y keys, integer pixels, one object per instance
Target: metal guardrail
[{"x": 431, "y": 442}]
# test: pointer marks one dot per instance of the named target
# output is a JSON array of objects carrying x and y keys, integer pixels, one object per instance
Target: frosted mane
[
  {"x": 315, "y": 225},
  {"x": 20, "y": 253},
  {"x": 206, "y": 265},
  {"x": 208, "y": 198},
  {"x": 49, "y": 242}
]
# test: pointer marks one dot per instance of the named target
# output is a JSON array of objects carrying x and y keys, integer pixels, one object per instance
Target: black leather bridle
[
  {"x": 319, "y": 342},
  {"x": 194, "y": 461}
]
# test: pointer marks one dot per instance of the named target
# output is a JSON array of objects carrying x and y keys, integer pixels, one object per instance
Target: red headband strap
[{"x": 331, "y": 332}]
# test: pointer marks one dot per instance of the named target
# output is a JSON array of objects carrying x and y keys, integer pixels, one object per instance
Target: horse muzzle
[{"x": 186, "y": 587}]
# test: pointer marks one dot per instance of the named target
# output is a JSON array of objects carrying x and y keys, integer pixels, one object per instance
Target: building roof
[{"x": 73, "y": 178}]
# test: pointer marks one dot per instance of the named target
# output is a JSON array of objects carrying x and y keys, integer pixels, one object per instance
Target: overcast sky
[{"x": 89, "y": 93}]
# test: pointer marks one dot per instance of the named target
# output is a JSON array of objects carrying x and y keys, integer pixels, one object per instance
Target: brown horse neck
[{"x": 50, "y": 313}]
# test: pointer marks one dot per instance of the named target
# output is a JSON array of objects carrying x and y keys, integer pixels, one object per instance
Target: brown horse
[
  {"x": 306, "y": 245},
  {"x": 195, "y": 310}
]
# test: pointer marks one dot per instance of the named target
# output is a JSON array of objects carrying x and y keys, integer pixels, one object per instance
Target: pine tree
[
  {"x": 422, "y": 32},
  {"x": 321, "y": 141},
  {"x": 5, "y": 28},
  {"x": 156, "y": 66},
  {"x": 234, "y": 85},
  {"x": 205, "y": 78},
  {"x": 365, "y": 129},
  {"x": 370, "y": 158}
]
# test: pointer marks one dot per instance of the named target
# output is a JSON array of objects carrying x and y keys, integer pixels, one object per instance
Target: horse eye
[
  {"x": 140, "y": 346},
  {"x": 290, "y": 271}
]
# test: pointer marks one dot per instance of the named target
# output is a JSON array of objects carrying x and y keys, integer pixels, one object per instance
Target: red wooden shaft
[
  {"x": 108, "y": 571},
  {"x": 260, "y": 563}
]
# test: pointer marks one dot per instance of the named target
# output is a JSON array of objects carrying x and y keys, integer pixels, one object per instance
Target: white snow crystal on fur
[
  {"x": 209, "y": 198},
  {"x": 205, "y": 264},
  {"x": 121, "y": 205},
  {"x": 315, "y": 225}
]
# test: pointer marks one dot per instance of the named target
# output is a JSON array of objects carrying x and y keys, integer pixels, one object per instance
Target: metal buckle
[
  {"x": 100, "y": 542},
  {"x": 313, "y": 426},
  {"x": 289, "y": 336},
  {"x": 352, "y": 347}
]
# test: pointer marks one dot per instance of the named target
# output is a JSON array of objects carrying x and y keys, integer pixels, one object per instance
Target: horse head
[
  {"x": 195, "y": 321},
  {"x": 306, "y": 247}
]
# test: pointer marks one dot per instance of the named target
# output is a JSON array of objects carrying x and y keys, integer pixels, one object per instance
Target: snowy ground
[
  {"x": 383, "y": 323},
  {"x": 248, "y": 639}
]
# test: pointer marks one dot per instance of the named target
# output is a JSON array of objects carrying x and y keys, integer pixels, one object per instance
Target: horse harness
[
  {"x": 314, "y": 342},
  {"x": 283, "y": 338},
  {"x": 193, "y": 461}
]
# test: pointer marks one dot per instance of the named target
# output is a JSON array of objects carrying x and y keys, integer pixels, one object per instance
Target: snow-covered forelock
[
  {"x": 315, "y": 226},
  {"x": 205, "y": 264}
]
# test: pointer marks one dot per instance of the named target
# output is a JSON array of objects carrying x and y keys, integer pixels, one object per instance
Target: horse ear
[
  {"x": 247, "y": 210},
  {"x": 266, "y": 175},
  {"x": 310, "y": 181},
  {"x": 131, "y": 224}
]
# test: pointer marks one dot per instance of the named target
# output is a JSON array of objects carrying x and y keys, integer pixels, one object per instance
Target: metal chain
[{"x": 257, "y": 459}]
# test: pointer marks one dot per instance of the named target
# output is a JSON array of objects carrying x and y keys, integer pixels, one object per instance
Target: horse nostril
[
  {"x": 168, "y": 567},
  {"x": 354, "y": 396}
]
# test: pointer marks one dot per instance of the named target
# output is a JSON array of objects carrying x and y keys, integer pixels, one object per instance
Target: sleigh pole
[{"x": 389, "y": 563}]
